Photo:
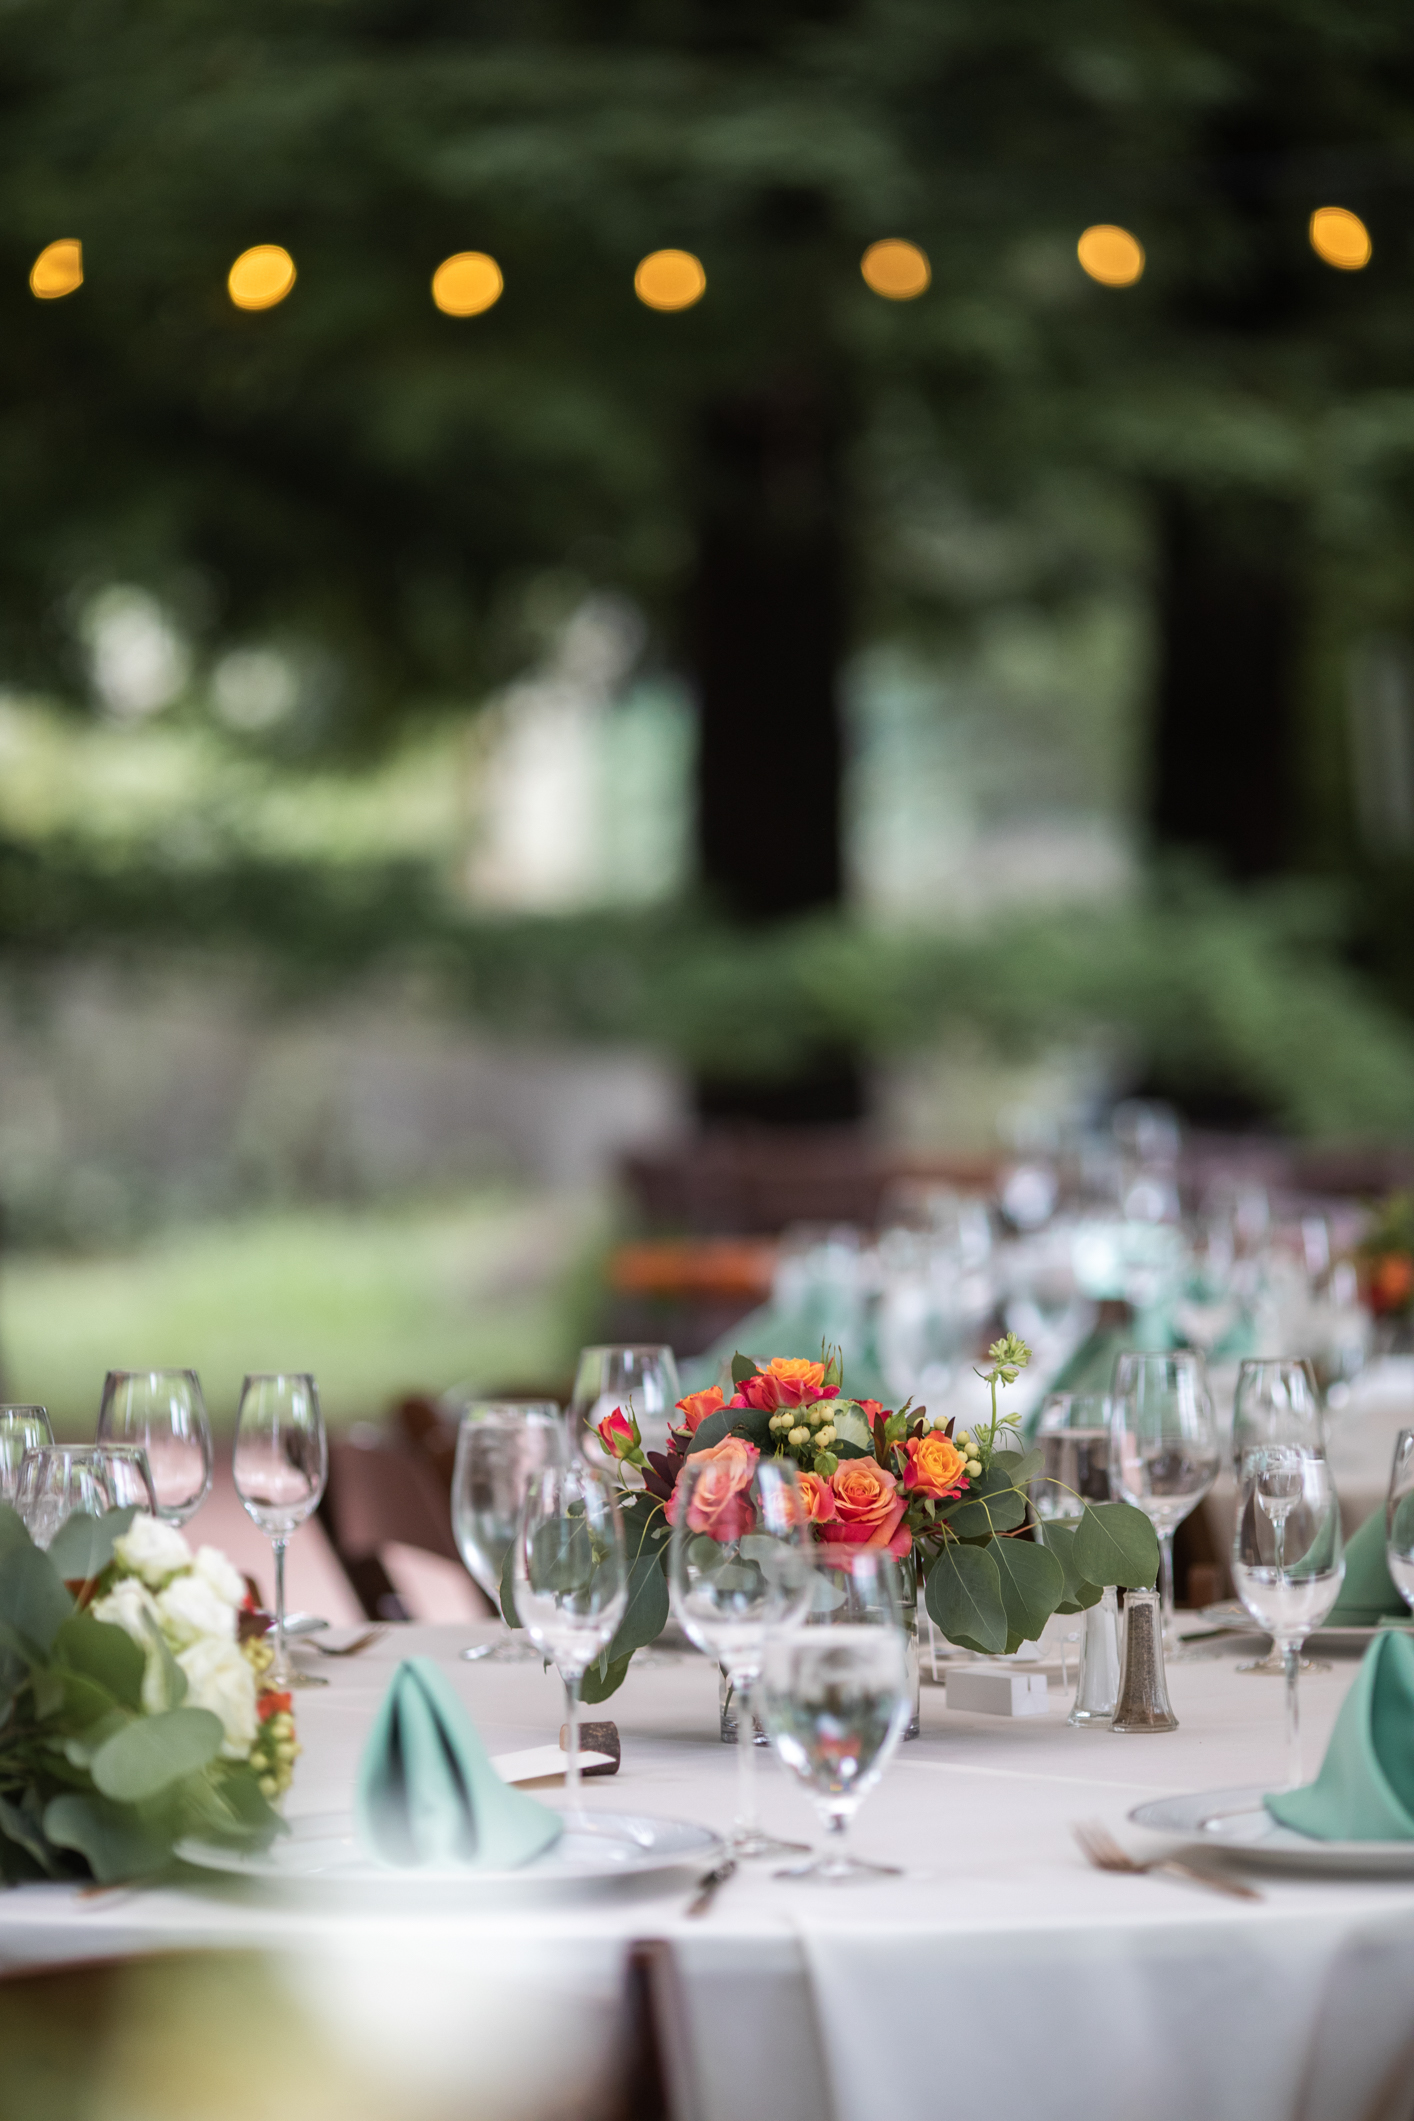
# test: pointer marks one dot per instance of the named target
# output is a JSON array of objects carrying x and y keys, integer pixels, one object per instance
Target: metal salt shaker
[
  {"x": 1143, "y": 1689},
  {"x": 1097, "y": 1681}
]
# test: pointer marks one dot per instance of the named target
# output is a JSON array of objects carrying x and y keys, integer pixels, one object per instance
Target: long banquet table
[{"x": 999, "y": 1972}]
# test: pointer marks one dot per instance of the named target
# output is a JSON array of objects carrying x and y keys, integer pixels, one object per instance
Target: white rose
[
  {"x": 152, "y": 1550},
  {"x": 189, "y": 1609},
  {"x": 214, "y": 1570},
  {"x": 131, "y": 1607},
  {"x": 220, "y": 1679}
]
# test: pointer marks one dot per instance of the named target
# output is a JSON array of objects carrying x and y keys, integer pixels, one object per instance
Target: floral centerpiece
[
  {"x": 952, "y": 1502},
  {"x": 134, "y": 1703}
]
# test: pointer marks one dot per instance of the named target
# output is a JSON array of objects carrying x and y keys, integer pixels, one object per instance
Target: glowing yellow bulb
[
  {"x": 670, "y": 279},
  {"x": 1341, "y": 238},
  {"x": 261, "y": 277},
  {"x": 896, "y": 270},
  {"x": 58, "y": 270},
  {"x": 1110, "y": 255},
  {"x": 464, "y": 285}
]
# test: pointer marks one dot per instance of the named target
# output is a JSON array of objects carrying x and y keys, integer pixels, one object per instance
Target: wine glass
[
  {"x": 835, "y": 1696},
  {"x": 22, "y": 1429},
  {"x": 1399, "y": 1517},
  {"x": 1287, "y": 1560},
  {"x": 500, "y": 1444},
  {"x": 570, "y": 1570},
  {"x": 164, "y": 1412},
  {"x": 1276, "y": 1401},
  {"x": 1073, "y": 1436},
  {"x": 738, "y": 1564},
  {"x": 608, "y": 1377},
  {"x": 1164, "y": 1453},
  {"x": 280, "y": 1464},
  {"x": 58, "y": 1479}
]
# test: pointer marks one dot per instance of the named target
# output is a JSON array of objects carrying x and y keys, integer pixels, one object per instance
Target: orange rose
[
  {"x": 718, "y": 1477},
  {"x": 817, "y": 1496},
  {"x": 1391, "y": 1281},
  {"x": 785, "y": 1381},
  {"x": 697, "y": 1406},
  {"x": 868, "y": 1508},
  {"x": 936, "y": 1467}
]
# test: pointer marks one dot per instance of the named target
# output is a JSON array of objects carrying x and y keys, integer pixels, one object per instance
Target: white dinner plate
[
  {"x": 323, "y": 1850},
  {"x": 1238, "y": 1822}
]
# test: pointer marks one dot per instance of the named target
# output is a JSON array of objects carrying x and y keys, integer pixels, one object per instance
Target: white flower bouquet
[{"x": 133, "y": 1705}]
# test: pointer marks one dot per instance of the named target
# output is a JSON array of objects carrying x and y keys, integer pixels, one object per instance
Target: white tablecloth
[{"x": 998, "y": 1969}]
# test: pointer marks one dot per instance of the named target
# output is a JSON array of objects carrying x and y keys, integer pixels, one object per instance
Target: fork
[
  {"x": 349, "y": 1649},
  {"x": 709, "y": 1884},
  {"x": 1100, "y": 1848}
]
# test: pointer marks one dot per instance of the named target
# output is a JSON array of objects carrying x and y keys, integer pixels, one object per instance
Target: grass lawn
[{"x": 376, "y": 1302}]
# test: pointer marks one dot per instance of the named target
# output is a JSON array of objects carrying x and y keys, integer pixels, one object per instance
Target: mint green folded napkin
[
  {"x": 1368, "y": 1594},
  {"x": 427, "y": 1792},
  {"x": 1365, "y": 1790}
]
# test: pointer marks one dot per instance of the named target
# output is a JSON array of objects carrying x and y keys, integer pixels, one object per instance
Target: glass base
[
  {"x": 832, "y": 1869},
  {"x": 292, "y": 1678},
  {"x": 505, "y": 1651},
  {"x": 1091, "y": 1719},
  {"x": 1271, "y": 1666},
  {"x": 756, "y": 1842}
]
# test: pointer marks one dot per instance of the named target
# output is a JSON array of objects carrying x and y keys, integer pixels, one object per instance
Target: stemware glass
[
  {"x": 1399, "y": 1517},
  {"x": 280, "y": 1464},
  {"x": 1164, "y": 1453},
  {"x": 607, "y": 1377},
  {"x": 164, "y": 1412},
  {"x": 835, "y": 1696},
  {"x": 738, "y": 1564},
  {"x": 570, "y": 1569},
  {"x": 57, "y": 1479},
  {"x": 500, "y": 1445},
  {"x": 22, "y": 1429},
  {"x": 1073, "y": 1437},
  {"x": 1287, "y": 1559},
  {"x": 1276, "y": 1401}
]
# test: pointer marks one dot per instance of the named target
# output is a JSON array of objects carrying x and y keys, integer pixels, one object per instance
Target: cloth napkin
[
  {"x": 1365, "y": 1790},
  {"x": 1368, "y": 1594},
  {"x": 427, "y": 1792}
]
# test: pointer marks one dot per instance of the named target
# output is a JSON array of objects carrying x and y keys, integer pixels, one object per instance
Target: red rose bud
[
  {"x": 618, "y": 1432},
  {"x": 271, "y": 1704}
]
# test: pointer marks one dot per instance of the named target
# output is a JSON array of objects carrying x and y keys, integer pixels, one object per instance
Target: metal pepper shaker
[{"x": 1143, "y": 1703}]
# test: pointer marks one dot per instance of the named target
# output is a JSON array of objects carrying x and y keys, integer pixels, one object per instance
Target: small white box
[{"x": 997, "y": 1691}]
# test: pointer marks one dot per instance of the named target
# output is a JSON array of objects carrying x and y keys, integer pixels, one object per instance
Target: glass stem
[
  {"x": 837, "y": 1845},
  {"x": 1291, "y": 1668},
  {"x": 745, "y": 1755},
  {"x": 282, "y": 1668},
  {"x": 571, "y": 1680},
  {"x": 1166, "y": 1583}
]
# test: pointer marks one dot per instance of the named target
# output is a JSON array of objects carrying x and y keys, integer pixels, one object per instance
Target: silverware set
[{"x": 1100, "y": 1848}]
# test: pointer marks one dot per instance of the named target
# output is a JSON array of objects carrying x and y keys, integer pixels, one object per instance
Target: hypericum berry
[{"x": 797, "y": 1437}]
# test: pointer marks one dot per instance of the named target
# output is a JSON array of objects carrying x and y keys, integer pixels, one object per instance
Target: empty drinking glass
[
  {"x": 834, "y": 1695},
  {"x": 1073, "y": 1437},
  {"x": 280, "y": 1464},
  {"x": 1399, "y": 1517},
  {"x": 1164, "y": 1453},
  {"x": 22, "y": 1429},
  {"x": 1276, "y": 1401},
  {"x": 570, "y": 1571},
  {"x": 163, "y": 1412},
  {"x": 57, "y": 1479},
  {"x": 1287, "y": 1559},
  {"x": 738, "y": 1564},
  {"x": 607, "y": 1377},
  {"x": 501, "y": 1444}
]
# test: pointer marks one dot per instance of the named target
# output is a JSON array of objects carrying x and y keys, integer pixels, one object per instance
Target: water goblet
[
  {"x": 607, "y": 1377},
  {"x": 280, "y": 1464},
  {"x": 1276, "y": 1401},
  {"x": 22, "y": 1428},
  {"x": 1399, "y": 1517},
  {"x": 500, "y": 1445},
  {"x": 835, "y": 1696},
  {"x": 570, "y": 1570},
  {"x": 738, "y": 1564},
  {"x": 56, "y": 1480},
  {"x": 163, "y": 1412},
  {"x": 1073, "y": 1437},
  {"x": 1287, "y": 1559},
  {"x": 1164, "y": 1453}
]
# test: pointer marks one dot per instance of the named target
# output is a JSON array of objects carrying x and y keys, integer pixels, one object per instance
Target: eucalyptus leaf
[
  {"x": 713, "y": 1430},
  {"x": 742, "y": 1368},
  {"x": 851, "y": 1428},
  {"x": 964, "y": 1596},
  {"x": 33, "y": 1599},
  {"x": 508, "y": 1588},
  {"x": 1115, "y": 1543},
  {"x": 83, "y": 1545},
  {"x": 1033, "y": 1582},
  {"x": 1077, "y": 1594},
  {"x": 103, "y": 1653},
  {"x": 170, "y": 1681},
  {"x": 602, "y": 1680},
  {"x": 993, "y": 1503},
  {"x": 646, "y": 1614},
  {"x": 116, "y": 1841},
  {"x": 152, "y": 1752},
  {"x": 24, "y": 1829}
]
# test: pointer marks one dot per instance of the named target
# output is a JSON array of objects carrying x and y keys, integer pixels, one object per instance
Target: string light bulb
[
  {"x": 261, "y": 277},
  {"x": 1111, "y": 255},
  {"x": 466, "y": 284},
  {"x": 898, "y": 271},
  {"x": 58, "y": 270},
  {"x": 670, "y": 279},
  {"x": 1340, "y": 238}
]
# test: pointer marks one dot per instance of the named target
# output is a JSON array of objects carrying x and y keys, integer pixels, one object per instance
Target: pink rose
[
  {"x": 817, "y": 1496},
  {"x": 785, "y": 1381},
  {"x": 720, "y": 1476}
]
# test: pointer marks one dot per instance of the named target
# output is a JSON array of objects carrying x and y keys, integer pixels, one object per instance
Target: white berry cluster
[
  {"x": 805, "y": 1425},
  {"x": 970, "y": 1450}
]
